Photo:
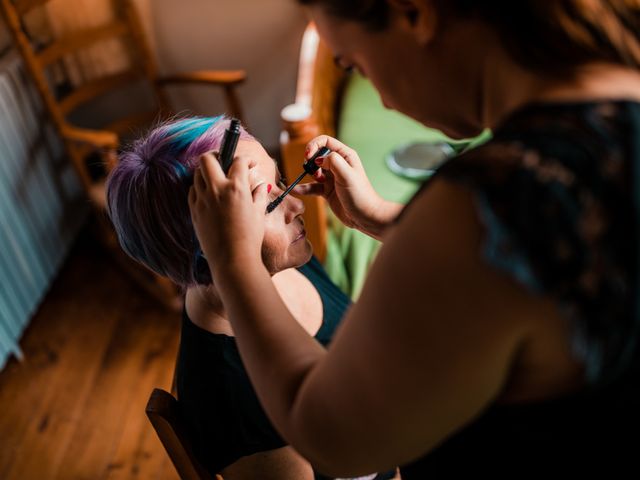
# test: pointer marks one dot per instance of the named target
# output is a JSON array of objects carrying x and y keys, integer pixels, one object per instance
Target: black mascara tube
[{"x": 229, "y": 144}]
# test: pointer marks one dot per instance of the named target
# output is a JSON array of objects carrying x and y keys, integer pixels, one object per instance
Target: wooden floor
[{"x": 74, "y": 408}]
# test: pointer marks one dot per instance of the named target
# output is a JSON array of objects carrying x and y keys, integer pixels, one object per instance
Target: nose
[{"x": 294, "y": 207}]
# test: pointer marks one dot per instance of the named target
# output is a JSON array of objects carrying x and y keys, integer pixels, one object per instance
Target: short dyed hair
[{"x": 147, "y": 194}]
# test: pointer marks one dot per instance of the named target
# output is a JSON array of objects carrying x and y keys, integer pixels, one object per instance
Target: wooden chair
[
  {"x": 162, "y": 410},
  {"x": 84, "y": 143},
  {"x": 315, "y": 112}
]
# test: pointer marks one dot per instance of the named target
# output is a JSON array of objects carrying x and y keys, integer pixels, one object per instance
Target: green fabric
[{"x": 373, "y": 131}]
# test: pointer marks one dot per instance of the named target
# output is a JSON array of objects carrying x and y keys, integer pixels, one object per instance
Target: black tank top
[
  {"x": 216, "y": 399},
  {"x": 558, "y": 193}
]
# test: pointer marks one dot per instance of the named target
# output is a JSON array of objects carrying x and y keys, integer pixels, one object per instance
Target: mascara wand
[{"x": 310, "y": 168}]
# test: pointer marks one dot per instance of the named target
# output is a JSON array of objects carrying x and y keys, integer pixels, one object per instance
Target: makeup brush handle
[{"x": 310, "y": 165}]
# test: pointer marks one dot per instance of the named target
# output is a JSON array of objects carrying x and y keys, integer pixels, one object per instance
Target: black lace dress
[{"x": 558, "y": 193}]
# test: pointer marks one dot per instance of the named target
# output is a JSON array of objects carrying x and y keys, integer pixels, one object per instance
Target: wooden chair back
[
  {"x": 162, "y": 410},
  {"x": 126, "y": 26}
]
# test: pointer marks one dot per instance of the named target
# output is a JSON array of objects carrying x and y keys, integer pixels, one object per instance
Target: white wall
[{"x": 260, "y": 36}]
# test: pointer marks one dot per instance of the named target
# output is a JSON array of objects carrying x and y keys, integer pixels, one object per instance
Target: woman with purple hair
[{"x": 148, "y": 205}]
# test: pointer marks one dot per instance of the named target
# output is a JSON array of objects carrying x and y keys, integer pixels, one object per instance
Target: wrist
[{"x": 381, "y": 216}]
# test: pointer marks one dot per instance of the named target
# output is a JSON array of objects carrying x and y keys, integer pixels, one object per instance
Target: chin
[
  {"x": 307, "y": 253},
  {"x": 302, "y": 254},
  {"x": 295, "y": 257},
  {"x": 459, "y": 130}
]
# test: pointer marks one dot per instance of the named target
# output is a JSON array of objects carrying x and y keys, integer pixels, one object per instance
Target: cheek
[
  {"x": 274, "y": 246},
  {"x": 277, "y": 251}
]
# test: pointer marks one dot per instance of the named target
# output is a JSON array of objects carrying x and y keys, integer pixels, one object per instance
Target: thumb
[{"x": 337, "y": 165}]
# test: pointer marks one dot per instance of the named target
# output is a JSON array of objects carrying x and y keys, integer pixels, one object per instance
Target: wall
[{"x": 260, "y": 36}]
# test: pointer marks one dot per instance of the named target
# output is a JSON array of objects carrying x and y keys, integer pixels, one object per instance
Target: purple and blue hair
[{"x": 147, "y": 195}]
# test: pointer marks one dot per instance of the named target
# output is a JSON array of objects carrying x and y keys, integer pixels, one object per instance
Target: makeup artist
[{"x": 505, "y": 298}]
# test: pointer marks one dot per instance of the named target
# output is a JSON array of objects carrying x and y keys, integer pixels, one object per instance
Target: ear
[{"x": 420, "y": 17}]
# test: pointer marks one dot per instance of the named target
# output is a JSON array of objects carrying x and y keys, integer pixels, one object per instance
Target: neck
[
  {"x": 205, "y": 307},
  {"x": 506, "y": 86}
]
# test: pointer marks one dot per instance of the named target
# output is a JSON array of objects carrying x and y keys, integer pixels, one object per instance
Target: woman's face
[
  {"x": 414, "y": 73},
  {"x": 285, "y": 243}
]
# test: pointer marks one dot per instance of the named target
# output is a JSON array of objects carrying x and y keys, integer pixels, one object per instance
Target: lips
[{"x": 300, "y": 236}]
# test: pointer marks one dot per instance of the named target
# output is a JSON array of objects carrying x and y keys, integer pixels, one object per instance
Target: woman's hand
[
  {"x": 227, "y": 216},
  {"x": 344, "y": 183}
]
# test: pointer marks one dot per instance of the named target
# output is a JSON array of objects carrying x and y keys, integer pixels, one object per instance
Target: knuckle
[
  {"x": 320, "y": 140},
  {"x": 333, "y": 157},
  {"x": 349, "y": 151},
  {"x": 235, "y": 186}
]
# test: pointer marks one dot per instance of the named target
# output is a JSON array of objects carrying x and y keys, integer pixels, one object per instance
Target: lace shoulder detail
[{"x": 559, "y": 216}]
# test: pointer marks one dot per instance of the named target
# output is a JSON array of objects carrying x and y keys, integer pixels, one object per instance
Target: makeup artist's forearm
[
  {"x": 381, "y": 219},
  {"x": 276, "y": 350}
]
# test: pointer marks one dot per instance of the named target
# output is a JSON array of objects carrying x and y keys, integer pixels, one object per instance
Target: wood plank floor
[{"x": 74, "y": 408}]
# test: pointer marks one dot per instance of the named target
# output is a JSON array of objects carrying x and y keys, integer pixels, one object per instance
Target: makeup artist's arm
[
  {"x": 343, "y": 181},
  {"x": 427, "y": 347}
]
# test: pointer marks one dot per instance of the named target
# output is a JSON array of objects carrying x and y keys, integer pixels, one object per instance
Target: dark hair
[
  {"x": 374, "y": 14},
  {"x": 553, "y": 35}
]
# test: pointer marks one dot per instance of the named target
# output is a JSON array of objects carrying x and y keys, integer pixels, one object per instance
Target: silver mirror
[{"x": 418, "y": 161}]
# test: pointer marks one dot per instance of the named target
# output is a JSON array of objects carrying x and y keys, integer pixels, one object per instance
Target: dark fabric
[
  {"x": 216, "y": 399},
  {"x": 585, "y": 435},
  {"x": 557, "y": 191}
]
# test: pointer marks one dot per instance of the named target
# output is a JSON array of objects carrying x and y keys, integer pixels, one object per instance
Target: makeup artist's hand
[
  {"x": 227, "y": 216},
  {"x": 343, "y": 181}
]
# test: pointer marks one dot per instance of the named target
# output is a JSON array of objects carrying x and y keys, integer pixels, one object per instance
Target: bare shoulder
[
  {"x": 444, "y": 222},
  {"x": 436, "y": 333},
  {"x": 206, "y": 314}
]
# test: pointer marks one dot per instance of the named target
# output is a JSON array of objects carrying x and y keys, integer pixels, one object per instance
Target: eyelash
[{"x": 282, "y": 186}]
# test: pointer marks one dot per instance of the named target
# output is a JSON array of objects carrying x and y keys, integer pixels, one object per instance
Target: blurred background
[
  {"x": 261, "y": 37},
  {"x": 86, "y": 334}
]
